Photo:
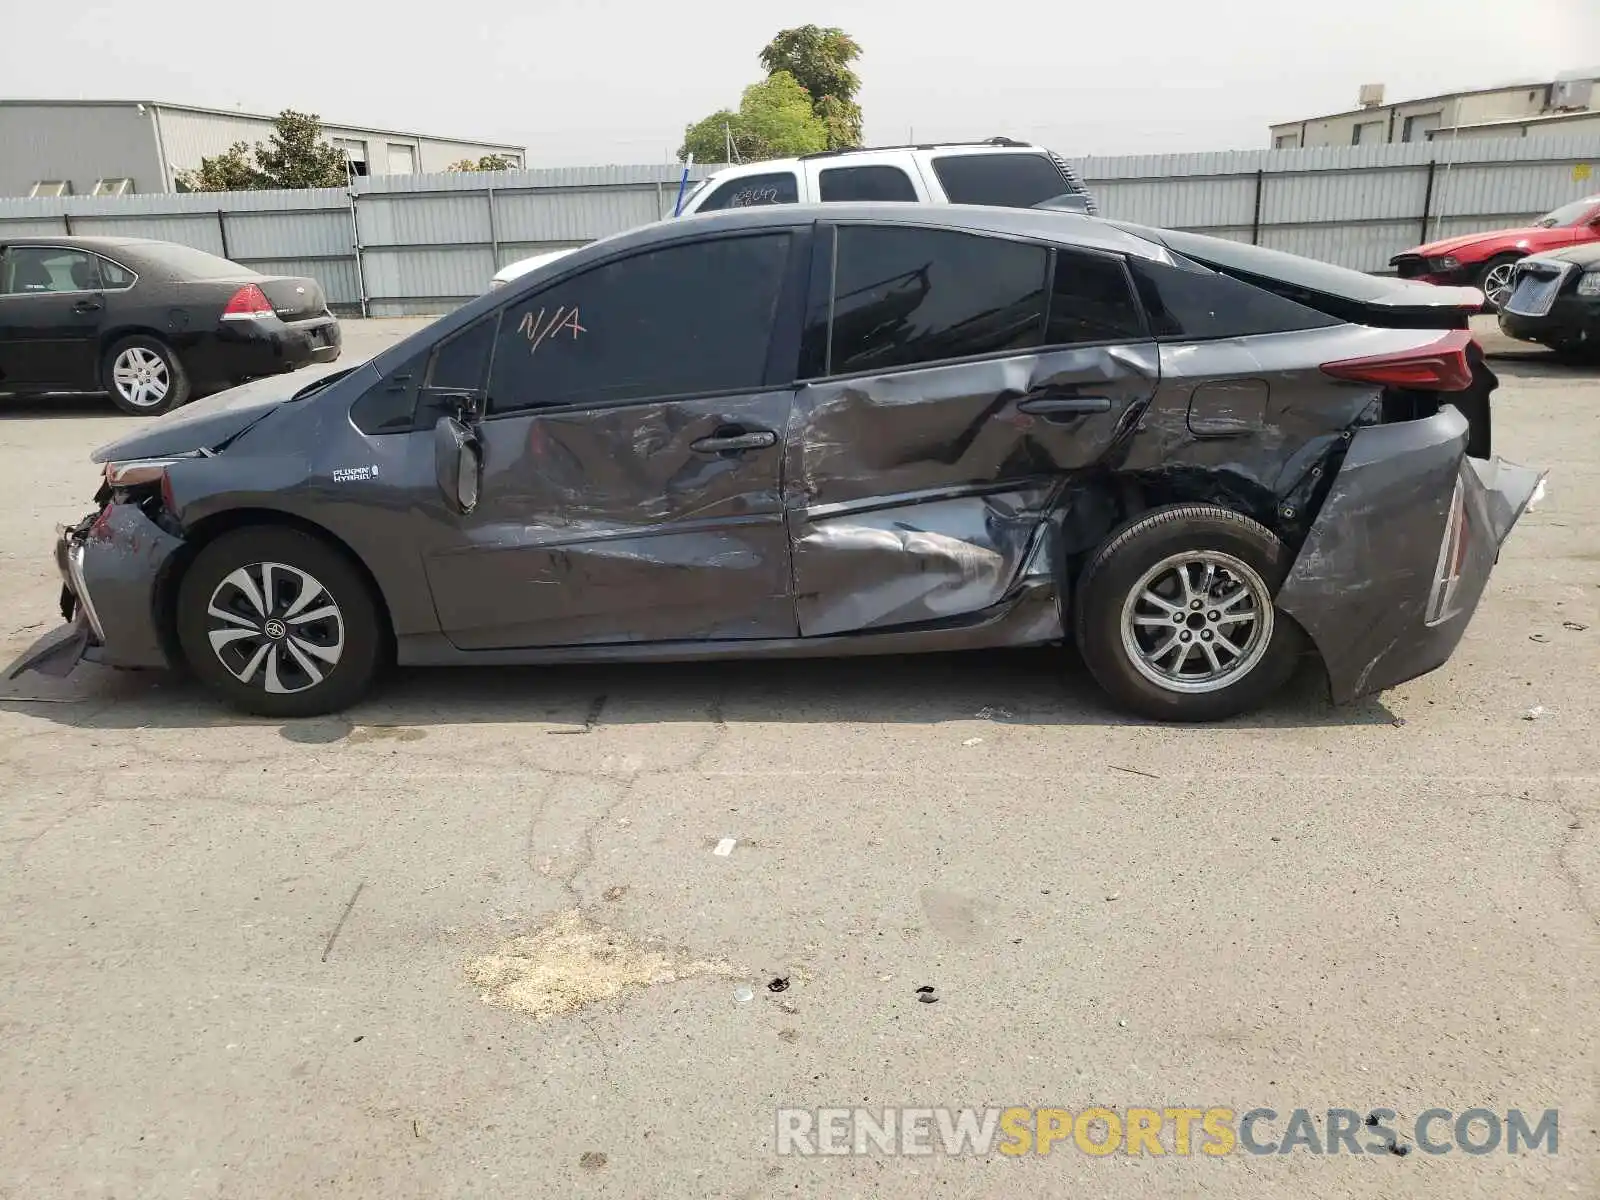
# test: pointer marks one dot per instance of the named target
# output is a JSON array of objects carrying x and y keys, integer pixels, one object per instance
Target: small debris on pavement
[
  {"x": 1398, "y": 722},
  {"x": 591, "y": 1160},
  {"x": 1534, "y": 713},
  {"x": 725, "y": 847},
  {"x": 743, "y": 994},
  {"x": 1110, "y": 896},
  {"x": 1122, "y": 1024},
  {"x": 1538, "y": 637},
  {"x": 1132, "y": 771},
  {"x": 616, "y": 893},
  {"x": 972, "y": 741},
  {"x": 779, "y": 984},
  {"x": 925, "y": 995},
  {"x": 1398, "y": 1150},
  {"x": 1575, "y": 626}
]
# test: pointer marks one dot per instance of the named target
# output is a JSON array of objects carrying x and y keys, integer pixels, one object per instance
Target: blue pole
[{"x": 677, "y": 205}]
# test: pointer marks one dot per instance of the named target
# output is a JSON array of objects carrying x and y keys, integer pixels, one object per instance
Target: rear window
[
  {"x": 753, "y": 191},
  {"x": 1292, "y": 269},
  {"x": 185, "y": 262},
  {"x": 839, "y": 184},
  {"x": 1000, "y": 180},
  {"x": 1188, "y": 302}
]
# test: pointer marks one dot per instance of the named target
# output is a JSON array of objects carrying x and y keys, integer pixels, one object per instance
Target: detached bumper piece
[
  {"x": 113, "y": 564},
  {"x": 1393, "y": 568}
]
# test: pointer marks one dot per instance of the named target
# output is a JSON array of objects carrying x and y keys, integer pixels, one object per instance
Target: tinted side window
[
  {"x": 463, "y": 361},
  {"x": 751, "y": 191},
  {"x": 838, "y": 184},
  {"x": 683, "y": 320},
  {"x": 904, "y": 295},
  {"x": 114, "y": 276},
  {"x": 1091, "y": 300},
  {"x": 39, "y": 270},
  {"x": 999, "y": 180},
  {"x": 1190, "y": 303}
]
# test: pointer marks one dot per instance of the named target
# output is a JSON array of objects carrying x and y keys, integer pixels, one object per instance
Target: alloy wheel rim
[
  {"x": 1197, "y": 622},
  {"x": 275, "y": 627},
  {"x": 1497, "y": 284},
  {"x": 140, "y": 377}
]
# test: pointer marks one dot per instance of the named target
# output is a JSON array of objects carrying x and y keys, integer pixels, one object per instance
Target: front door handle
[
  {"x": 1064, "y": 406},
  {"x": 86, "y": 306},
  {"x": 752, "y": 439}
]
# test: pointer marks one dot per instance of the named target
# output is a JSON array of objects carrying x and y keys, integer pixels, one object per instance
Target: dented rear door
[{"x": 954, "y": 379}]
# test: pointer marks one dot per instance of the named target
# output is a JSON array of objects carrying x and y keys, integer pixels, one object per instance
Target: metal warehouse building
[{"x": 117, "y": 147}]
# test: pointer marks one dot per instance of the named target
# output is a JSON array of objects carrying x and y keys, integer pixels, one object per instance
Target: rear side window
[
  {"x": 1091, "y": 300},
  {"x": 904, "y": 295},
  {"x": 688, "y": 319},
  {"x": 1187, "y": 302},
  {"x": 840, "y": 184},
  {"x": 753, "y": 191},
  {"x": 114, "y": 276},
  {"x": 1000, "y": 180}
]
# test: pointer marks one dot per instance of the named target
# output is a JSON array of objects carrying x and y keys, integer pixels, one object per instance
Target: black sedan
[
  {"x": 840, "y": 429},
  {"x": 151, "y": 323},
  {"x": 1555, "y": 301}
]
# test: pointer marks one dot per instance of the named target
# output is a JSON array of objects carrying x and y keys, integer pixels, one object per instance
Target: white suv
[{"x": 998, "y": 172}]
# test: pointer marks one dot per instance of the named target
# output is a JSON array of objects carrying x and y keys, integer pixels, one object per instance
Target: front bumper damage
[
  {"x": 1397, "y": 559},
  {"x": 113, "y": 565}
]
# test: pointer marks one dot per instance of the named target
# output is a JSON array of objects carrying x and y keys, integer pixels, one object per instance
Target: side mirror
[{"x": 457, "y": 463}]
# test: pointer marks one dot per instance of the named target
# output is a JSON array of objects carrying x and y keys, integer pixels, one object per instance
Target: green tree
[
  {"x": 489, "y": 162},
  {"x": 774, "y": 120},
  {"x": 819, "y": 59},
  {"x": 295, "y": 156},
  {"x": 230, "y": 171}
]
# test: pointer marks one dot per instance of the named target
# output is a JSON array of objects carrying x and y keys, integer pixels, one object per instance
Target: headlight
[
  {"x": 1589, "y": 283},
  {"x": 1448, "y": 263}
]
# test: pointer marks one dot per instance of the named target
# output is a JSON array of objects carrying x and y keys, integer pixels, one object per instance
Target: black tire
[
  {"x": 1139, "y": 547},
  {"x": 1481, "y": 279},
  {"x": 356, "y": 635},
  {"x": 171, "y": 370}
]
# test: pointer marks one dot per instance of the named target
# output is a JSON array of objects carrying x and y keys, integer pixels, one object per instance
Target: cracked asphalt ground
[{"x": 236, "y": 956}]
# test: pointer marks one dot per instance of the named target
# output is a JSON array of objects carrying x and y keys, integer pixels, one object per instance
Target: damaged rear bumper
[
  {"x": 113, "y": 566},
  {"x": 1394, "y": 566}
]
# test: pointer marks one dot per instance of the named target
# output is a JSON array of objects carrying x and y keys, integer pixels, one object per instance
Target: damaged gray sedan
[{"x": 834, "y": 430}]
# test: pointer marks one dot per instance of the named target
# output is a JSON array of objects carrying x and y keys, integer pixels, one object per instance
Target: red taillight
[
  {"x": 1439, "y": 366},
  {"x": 249, "y": 303}
]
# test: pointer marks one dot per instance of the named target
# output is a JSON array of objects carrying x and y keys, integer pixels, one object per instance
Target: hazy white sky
[{"x": 595, "y": 81}]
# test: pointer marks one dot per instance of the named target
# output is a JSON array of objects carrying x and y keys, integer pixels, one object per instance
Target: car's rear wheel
[
  {"x": 144, "y": 376},
  {"x": 279, "y": 623},
  {"x": 1494, "y": 280},
  {"x": 1175, "y": 616}
]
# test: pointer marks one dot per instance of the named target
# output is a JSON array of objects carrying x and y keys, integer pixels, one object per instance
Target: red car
[{"x": 1486, "y": 260}]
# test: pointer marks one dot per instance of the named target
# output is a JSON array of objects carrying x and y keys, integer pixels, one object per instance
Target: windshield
[{"x": 1569, "y": 214}]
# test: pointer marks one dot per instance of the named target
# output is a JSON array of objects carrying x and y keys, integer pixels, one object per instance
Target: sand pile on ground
[{"x": 572, "y": 962}]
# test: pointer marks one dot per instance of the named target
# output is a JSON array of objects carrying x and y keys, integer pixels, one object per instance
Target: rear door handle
[
  {"x": 1064, "y": 406},
  {"x": 754, "y": 439},
  {"x": 86, "y": 306}
]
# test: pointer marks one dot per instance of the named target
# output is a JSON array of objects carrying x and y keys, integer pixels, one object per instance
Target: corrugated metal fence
[{"x": 421, "y": 244}]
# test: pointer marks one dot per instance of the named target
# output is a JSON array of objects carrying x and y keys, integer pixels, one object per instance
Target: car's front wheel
[
  {"x": 279, "y": 623},
  {"x": 1175, "y": 616},
  {"x": 144, "y": 376},
  {"x": 1495, "y": 281}
]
